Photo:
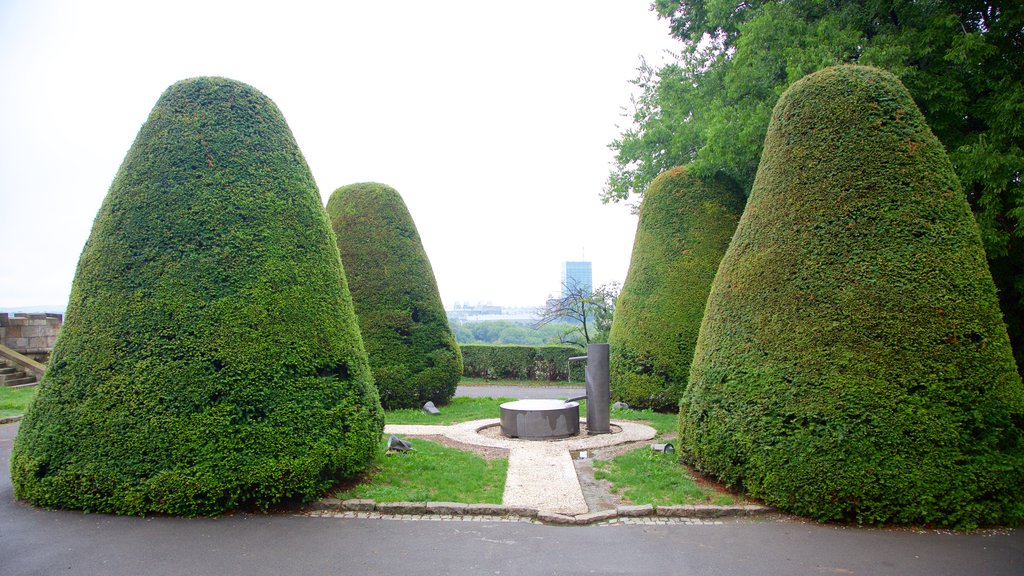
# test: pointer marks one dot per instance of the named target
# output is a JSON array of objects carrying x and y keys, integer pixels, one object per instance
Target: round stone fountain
[{"x": 540, "y": 419}]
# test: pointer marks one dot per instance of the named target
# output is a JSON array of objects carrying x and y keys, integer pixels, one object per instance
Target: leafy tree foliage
[
  {"x": 963, "y": 62},
  {"x": 588, "y": 314},
  {"x": 685, "y": 226},
  {"x": 412, "y": 350},
  {"x": 211, "y": 357},
  {"x": 852, "y": 362}
]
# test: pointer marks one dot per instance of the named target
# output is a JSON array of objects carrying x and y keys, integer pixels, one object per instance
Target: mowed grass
[
  {"x": 15, "y": 401},
  {"x": 460, "y": 409},
  {"x": 642, "y": 476},
  {"x": 431, "y": 473}
]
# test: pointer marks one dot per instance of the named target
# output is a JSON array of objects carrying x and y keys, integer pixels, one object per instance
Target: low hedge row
[{"x": 514, "y": 362}]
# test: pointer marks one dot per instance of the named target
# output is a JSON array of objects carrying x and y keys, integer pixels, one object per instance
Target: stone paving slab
[{"x": 543, "y": 477}]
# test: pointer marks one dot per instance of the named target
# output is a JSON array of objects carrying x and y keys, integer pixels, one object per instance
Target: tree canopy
[
  {"x": 852, "y": 362},
  {"x": 963, "y": 62},
  {"x": 211, "y": 357}
]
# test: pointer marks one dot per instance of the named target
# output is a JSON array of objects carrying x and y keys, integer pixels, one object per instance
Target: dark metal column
[{"x": 598, "y": 391}]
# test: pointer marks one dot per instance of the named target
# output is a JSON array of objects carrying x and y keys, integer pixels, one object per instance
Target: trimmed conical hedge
[
  {"x": 411, "y": 347},
  {"x": 684, "y": 229},
  {"x": 211, "y": 357},
  {"x": 853, "y": 363}
]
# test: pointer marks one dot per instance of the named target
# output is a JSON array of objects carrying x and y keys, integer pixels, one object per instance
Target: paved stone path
[{"x": 541, "y": 474}]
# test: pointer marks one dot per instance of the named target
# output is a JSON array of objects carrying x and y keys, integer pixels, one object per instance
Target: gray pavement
[
  {"x": 34, "y": 541},
  {"x": 485, "y": 391}
]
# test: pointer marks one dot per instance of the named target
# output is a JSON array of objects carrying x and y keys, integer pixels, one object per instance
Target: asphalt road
[{"x": 34, "y": 541}]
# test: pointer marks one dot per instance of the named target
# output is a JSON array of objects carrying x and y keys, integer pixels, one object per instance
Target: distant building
[{"x": 577, "y": 276}]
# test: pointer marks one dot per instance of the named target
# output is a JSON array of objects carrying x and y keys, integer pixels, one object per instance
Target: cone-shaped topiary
[
  {"x": 853, "y": 363},
  {"x": 412, "y": 350},
  {"x": 684, "y": 229},
  {"x": 211, "y": 357}
]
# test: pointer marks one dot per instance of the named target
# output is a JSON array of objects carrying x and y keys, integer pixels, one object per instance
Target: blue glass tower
[{"x": 577, "y": 276}]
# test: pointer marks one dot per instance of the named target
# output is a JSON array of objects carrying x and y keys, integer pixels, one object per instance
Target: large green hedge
[
  {"x": 411, "y": 347},
  {"x": 684, "y": 229},
  {"x": 210, "y": 357},
  {"x": 515, "y": 362},
  {"x": 853, "y": 363}
]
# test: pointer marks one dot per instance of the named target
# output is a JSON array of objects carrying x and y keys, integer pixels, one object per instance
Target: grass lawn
[
  {"x": 14, "y": 401},
  {"x": 432, "y": 473},
  {"x": 463, "y": 409},
  {"x": 645, "y": 477},
  {"x": 460, "y": 409}
]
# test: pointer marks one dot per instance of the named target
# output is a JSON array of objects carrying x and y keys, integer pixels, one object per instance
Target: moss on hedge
[
  {"x": 411, "y": 347},
  {"x": 210, "y": 358},
  {"x": 684, "y": 229},
  {"x": 853, "y": 363}
]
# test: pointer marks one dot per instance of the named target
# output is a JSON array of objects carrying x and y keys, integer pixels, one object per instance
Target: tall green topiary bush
[
  {"x": 412, "y": 350},
  {"x": 684, "y": 229},
  {"x": 211, "y": 357},
  {"x": 853, "y": 363}
]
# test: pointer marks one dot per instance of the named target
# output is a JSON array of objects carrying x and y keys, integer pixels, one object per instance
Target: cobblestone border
[{"x": 646, "y": 514}]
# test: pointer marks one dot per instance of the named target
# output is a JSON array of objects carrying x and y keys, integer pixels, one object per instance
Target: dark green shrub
[
  {"x": 853, "y": 363},
  {"x": 210, "y": 358},
  {"x": 514, "y": 362},
  {"x": 411, "y": 347},
  {"x": 685, "y": 226}
]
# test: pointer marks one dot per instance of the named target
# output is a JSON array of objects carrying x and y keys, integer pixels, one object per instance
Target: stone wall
[{"x": 30, "y": 334}]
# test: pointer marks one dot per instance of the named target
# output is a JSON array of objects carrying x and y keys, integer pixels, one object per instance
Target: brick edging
[{"x": 701, "y": 511}]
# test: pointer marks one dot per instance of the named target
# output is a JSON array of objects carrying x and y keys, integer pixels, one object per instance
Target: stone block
[
  {"x": 450, "y": 508},
  {"x": 556, "y": 518},
  {"x": 487, "y": 510},
  {"x": 358, "y": 505},
  {"x": 710, "y": 511},
  {"x": 521, "y": 511},
  {"x": 402, "y": 507},
  {"x": 634, "y": 511},
  {"x": 599, "y": 516},
  {"x": 676, "y": 511}
]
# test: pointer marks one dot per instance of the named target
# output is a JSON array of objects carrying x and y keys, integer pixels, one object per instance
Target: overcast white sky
[{"x": 492, "y": 120}]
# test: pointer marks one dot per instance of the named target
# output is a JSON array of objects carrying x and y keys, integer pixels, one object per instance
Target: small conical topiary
[
  {"x": 684, "y": 229},
  {"x": 853, "y": 363},
  {"x": 411, "y": 347},
  {"x": 211, "y": 357}
]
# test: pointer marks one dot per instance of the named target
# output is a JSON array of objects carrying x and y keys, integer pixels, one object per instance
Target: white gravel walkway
[{"x": 541, "y": 474}]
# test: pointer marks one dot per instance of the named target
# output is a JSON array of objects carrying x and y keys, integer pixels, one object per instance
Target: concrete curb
[{"x": 457, "y": 510}]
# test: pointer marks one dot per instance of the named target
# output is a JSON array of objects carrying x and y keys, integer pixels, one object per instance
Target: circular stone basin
[{"x": 540, "y": 419}]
